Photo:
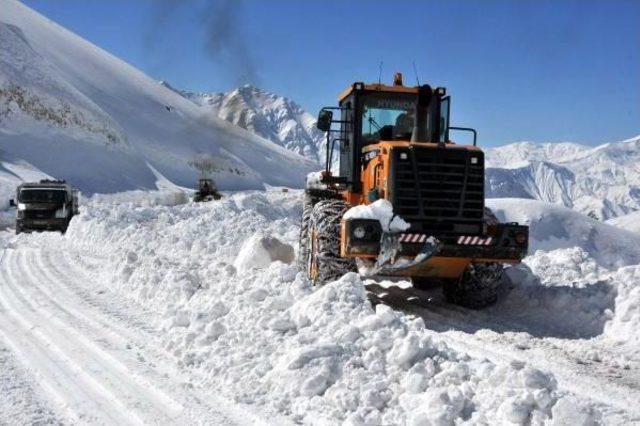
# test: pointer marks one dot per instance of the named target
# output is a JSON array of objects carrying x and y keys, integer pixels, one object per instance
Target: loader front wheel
[
  {"x": 303, "y": 242},
  {"x": 324, "y": 261},
  {"x": 477, "y": 287}
]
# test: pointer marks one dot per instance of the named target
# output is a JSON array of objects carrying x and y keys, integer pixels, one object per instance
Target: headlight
[
  {"x": 521, "y": 238},
  {"x": 22, "y": 206},
  {"x": 361, "y": 237},
  {"x": 359, "y": 232},
  {"x": 61, "y": 213},
  {"x": 364, "y": 230}
]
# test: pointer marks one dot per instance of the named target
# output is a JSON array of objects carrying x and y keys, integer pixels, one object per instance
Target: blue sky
[{"x": 517, "y": 70}]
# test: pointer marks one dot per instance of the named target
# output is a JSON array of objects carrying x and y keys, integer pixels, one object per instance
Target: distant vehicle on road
[{"x": 45, "y": 205}]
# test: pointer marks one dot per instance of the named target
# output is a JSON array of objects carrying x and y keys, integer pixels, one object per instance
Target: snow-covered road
[
  {"x": 142, "y": 313},
  {"x": 94, "y": 360}
]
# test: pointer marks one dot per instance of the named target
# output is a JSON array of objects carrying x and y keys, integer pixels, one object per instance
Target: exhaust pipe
[{"x": 419, "y": 133}]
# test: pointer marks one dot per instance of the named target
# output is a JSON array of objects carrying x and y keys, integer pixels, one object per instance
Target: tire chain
[{"x": 325, "y": 221}]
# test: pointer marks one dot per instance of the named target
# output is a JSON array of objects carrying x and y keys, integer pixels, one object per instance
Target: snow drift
[
  {"x": 111, "y": 127},
  {"x": 554, "y": 227}
]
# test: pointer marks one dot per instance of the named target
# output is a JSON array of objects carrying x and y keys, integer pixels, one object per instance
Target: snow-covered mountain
[
  {"x": 268, "y": 115},
  {"x": 602, "y": 182},
  {"x": 74, "y": 111}
]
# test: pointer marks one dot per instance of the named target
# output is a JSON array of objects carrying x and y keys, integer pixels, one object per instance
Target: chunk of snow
[{"x": 260, "y": 251}]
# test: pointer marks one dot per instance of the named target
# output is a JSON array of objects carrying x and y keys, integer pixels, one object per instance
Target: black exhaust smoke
[{"x": 221, "y": 35}]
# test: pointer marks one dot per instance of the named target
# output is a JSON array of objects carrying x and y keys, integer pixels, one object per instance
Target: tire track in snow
[
  {"x": 73, "y": 279},
  {"x": 147, "y": 394},
  {"x": 456, "y": 325},
  {"x": 110, "y": 352},
  {"x": 75, "y": 390}
]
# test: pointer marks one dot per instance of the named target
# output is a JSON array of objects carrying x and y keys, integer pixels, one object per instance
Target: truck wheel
[
  {"x": 18, "y": 229},
  {"x": 324, "y": 261},
  {"x": 477, "y": 287}
]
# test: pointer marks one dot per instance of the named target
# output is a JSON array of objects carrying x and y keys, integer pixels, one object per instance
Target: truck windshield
[
  {"x": 388, "y": 116},
  {"x": 56, "y": 196}
]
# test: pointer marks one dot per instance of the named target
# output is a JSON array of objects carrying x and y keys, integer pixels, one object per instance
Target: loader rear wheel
[
  {"x": 325, "y": 264},
  {"x": 477, "y": 287}
]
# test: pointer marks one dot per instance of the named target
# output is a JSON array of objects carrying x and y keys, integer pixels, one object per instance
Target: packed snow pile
[
  {"x": 262, "y": 334},
  {"x": 554, "y": 226},
  {"x": 112, "y": 127},
  {"x": 602, "y": 182}
]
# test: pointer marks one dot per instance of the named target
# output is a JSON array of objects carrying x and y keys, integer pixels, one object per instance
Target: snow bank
[
  {"x": 553, "y": 227},
  {"x": 562, "y": 293},
  {"x": 144, "y": 198},
  {"x": 264, "y": 336},
  {"x": 624, "y": 327}
]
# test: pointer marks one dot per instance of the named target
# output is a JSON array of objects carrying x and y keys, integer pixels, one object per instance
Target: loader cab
[{"x": 373, "y": 113}]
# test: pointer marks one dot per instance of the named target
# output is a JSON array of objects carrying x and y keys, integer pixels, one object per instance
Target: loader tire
[
  {"x": 477, "y": 287},
  {"x": 303, "y": 241},
  {"x": 324, "y": 261}
]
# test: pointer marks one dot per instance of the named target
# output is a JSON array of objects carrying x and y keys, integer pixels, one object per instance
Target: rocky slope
[{"x": 267, "y": 115}]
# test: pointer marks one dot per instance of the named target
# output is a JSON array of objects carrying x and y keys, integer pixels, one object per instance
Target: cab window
[{"x": 387, "y": 116}]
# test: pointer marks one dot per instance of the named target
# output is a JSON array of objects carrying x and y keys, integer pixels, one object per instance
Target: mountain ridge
[
  {"x": 266, "y": 114},
  {"x": 602, "y": 182}
]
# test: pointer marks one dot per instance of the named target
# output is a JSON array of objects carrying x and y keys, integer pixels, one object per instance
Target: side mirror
[
  {"x": 12, "y": 203},
  {"x": 324, "y": 120}
]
